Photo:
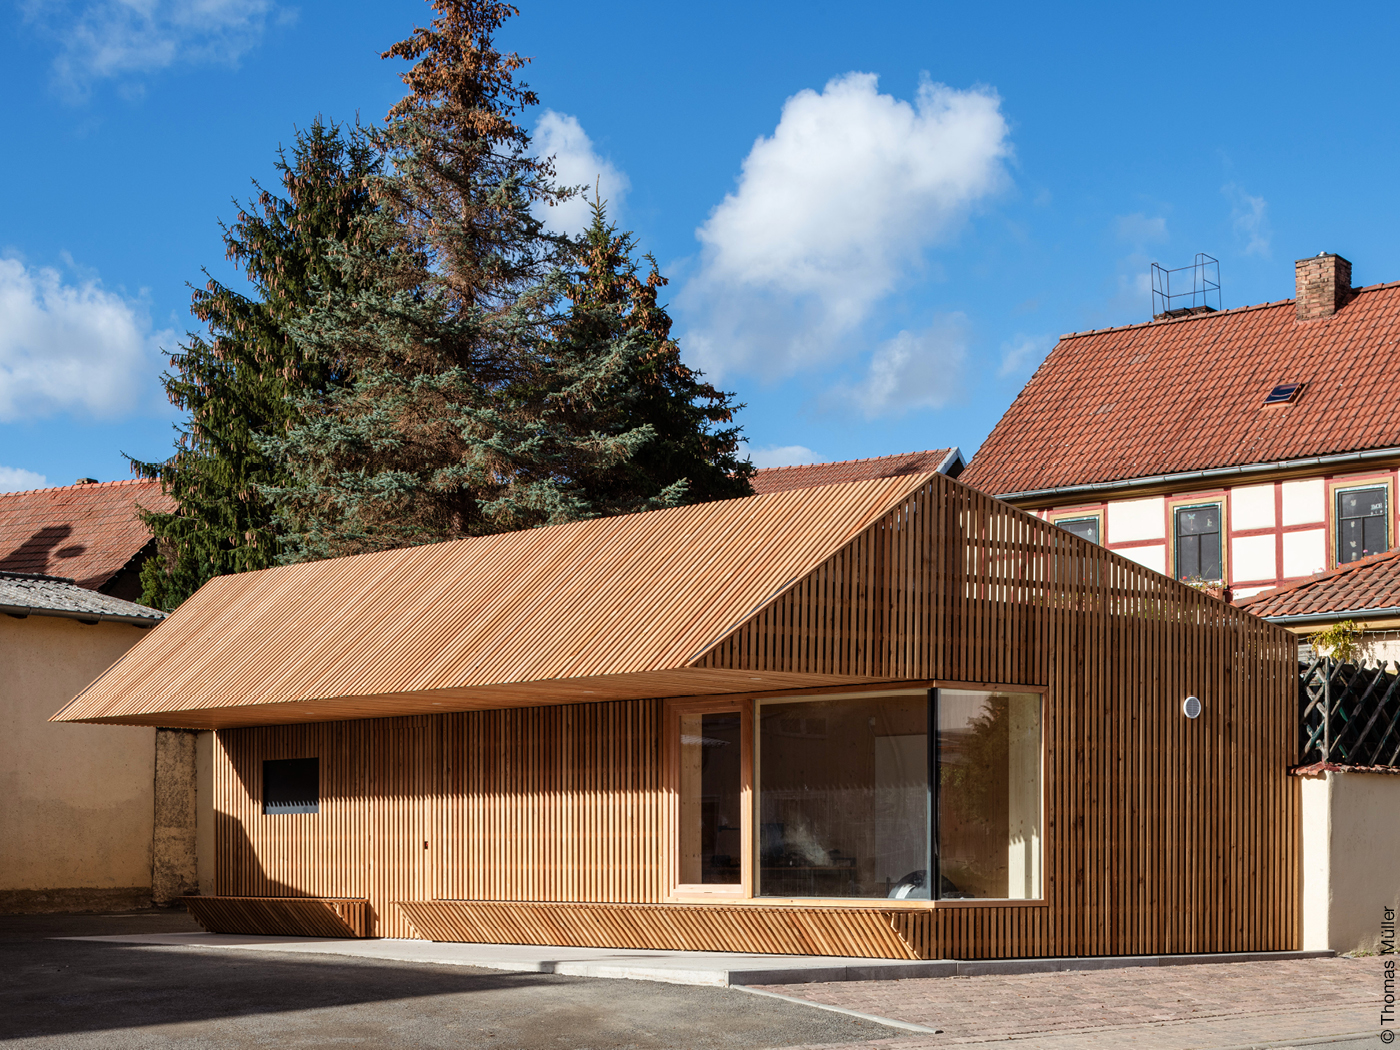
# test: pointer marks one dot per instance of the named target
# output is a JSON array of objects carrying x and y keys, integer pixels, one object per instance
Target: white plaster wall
[
  {"x": 1304, "y": 553},
  {"x": 1351, "y": 858},
  {"x": 1153, "y": 557},
  {"x": 1304, "y": 502},
  {"x": 1252, "y": 507},
  {"x": 1253, "y": 558},
  {"x": 1136, "y": 519},
  {"x": 76, "y": 801},
  {"x": 1317, "y": 861}
]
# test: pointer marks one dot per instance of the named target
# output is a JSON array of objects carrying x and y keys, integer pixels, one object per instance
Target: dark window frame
[
  {"x": 1382, "y": 520},
  {"x": 1181, "y": 572}
]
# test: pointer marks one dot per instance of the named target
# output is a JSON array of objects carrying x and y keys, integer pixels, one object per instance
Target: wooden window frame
[
  {"x": 746, "y": 704},
  {"x": 1219, "y": 499},
  {"x": 1336, "y": 487},
  {"x": 675, "y": 709}
]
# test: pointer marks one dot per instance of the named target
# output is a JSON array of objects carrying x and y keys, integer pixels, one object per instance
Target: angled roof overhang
[{"x": 616, "y": 608}]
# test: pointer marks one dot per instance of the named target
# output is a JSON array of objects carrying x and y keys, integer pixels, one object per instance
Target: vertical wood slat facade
[{"x": 1162, "y": 834}]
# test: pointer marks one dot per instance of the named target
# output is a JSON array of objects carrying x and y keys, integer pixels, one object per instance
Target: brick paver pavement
[{"x": 1216, "y": 1005}]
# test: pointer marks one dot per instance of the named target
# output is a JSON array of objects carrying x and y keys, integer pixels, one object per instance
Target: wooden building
[{"x": 889, "y": 718}]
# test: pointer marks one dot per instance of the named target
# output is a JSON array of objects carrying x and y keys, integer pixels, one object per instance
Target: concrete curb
[{"x": 715, "y": 969}]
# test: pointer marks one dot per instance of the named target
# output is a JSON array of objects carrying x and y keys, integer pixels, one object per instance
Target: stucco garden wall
[
  {"x": 1351, "y": 858},
  {"x": 76, "y": 822}
]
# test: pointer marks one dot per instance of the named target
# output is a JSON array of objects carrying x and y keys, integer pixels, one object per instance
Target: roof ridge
[
  {"x": 1322, "y": 577},
  {"x": 39, "y": 577},
  {"x": 863, "y": 459},
  {"x": 86, "y": 486},
  {"x": 1214, "y": 313}
]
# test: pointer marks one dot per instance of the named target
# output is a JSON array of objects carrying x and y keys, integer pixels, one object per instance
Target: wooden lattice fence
[{"x": 1350, "y": 714}]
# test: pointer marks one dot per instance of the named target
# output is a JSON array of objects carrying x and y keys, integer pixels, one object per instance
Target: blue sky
[{"x": 876, "y": 219}]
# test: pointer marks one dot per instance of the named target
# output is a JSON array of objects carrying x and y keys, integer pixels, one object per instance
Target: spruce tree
[
  {"x": 504, "y": 377},
  {"x": 241, "y": 380},
  {"x": 692, "y": 454},
  {"x": 441, "y": 435}
]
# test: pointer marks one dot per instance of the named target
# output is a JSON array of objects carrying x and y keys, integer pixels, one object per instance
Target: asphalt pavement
[{"x": 84, "y": 994}]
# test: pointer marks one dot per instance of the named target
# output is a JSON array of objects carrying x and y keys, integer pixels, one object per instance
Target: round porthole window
[{"x": 1191, "y": 707}]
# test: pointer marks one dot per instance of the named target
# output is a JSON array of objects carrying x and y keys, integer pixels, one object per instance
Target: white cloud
[
  {"x": 913, "y": 370},
  {"x": 576, "y": 163},
  {"x": 1249, "y": 217},
  {"x": 69, "y": 347},
  {"x": 16, "y": 479},
  {"x": 1139, "y": 230},
  {"x": 1023, "y": 351},
  {"x": 104, "y": 39},
  {"x": 832, "y": 213}
]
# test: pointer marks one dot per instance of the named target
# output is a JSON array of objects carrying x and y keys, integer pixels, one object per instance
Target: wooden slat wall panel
[
  {"x": 1162, "y": 835},
  {"x": 556, "y": 804},
  {"x": 867, "y": 933},
  {"x": 293, "y": 916}
]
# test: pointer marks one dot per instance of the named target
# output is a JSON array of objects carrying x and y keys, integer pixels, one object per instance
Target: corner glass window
[
  {"x": 866, "y": 796},
  {"x": 989, "y": 838},
  {"x": 1362, "y": 523},
  {"x": 1198, "y": 543},
  {"x": 711, "y": 810},
  {"x": 1084, "y": 528},
  {"x": 291, "y": 785}
]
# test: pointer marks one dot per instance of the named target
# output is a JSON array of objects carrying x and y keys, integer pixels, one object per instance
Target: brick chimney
[{"x": 1324, "y": 285}]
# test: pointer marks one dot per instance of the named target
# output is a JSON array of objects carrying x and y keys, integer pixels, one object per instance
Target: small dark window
[
  {"x": 1084, "y": 528},
  {"x": 1362, "y": 523},
  {"x": 292, "y": 785},
  {"x": 1283, "y": 394},
  {"x": 1198, "y": 542}
]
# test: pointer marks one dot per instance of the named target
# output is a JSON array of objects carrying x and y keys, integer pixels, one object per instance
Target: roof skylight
[{"x": 1284, "y": 393}]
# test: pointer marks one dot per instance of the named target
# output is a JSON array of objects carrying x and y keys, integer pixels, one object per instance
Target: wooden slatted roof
[{"x": 607, "y": 609}]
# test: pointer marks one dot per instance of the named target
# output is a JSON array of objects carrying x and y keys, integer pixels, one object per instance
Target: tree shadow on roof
[{"x": 34, "y": 554}]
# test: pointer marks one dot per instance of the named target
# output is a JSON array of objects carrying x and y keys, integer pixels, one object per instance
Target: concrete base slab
[{"x": 719, "y": 969}]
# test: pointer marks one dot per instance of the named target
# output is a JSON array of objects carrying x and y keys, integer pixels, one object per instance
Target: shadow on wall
[{"x": 33, "y": 555}]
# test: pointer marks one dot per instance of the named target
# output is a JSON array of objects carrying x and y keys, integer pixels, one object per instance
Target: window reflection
[
  {"x": 843, "y": 796},
  {"x": 989, "y": 839},
  {"x": 710, "y": 799}
]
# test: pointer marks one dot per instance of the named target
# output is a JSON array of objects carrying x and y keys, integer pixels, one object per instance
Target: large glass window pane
[
  {"x": 1362, "y": 523},
  {"x": 710, "y": 799},
  {"x": 989, "y": 834},
  {"x": 843, "y": 797},
  {"x": 1198, "y": 543}
]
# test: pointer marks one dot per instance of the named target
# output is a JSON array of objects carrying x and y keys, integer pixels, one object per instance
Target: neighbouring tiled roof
[
  {"x": 86, "y": 532},
  {"x": 811, "y": 475},
  {"x": 1188, "y": 394},
  {"x": 55, "y": 594},
  {"x": 1369, "y": 583}
]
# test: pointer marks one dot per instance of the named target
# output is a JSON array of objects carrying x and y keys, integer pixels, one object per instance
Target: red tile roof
[
  {"x": 87, "y": 533},
  {"x": 812, "y": 475},
  {"x": 1368, "y": 583},
  {"x": 1188, "y": 394}
]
